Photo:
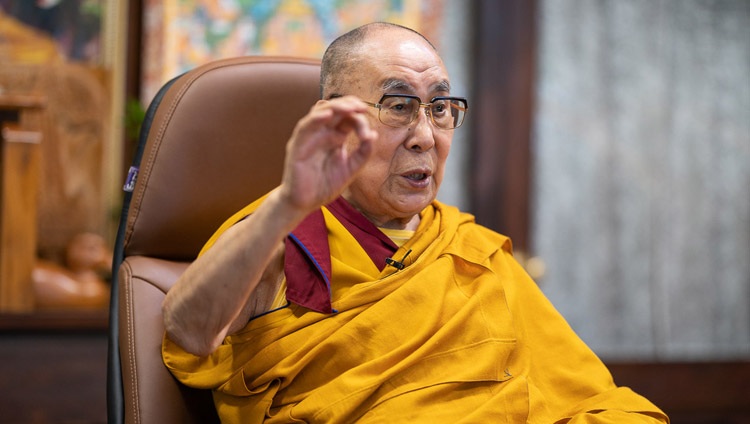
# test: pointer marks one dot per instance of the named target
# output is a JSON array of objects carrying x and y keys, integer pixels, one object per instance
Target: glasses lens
[
  {"x": 398, "y": 111},
  {"x": 448, "y": 113}
]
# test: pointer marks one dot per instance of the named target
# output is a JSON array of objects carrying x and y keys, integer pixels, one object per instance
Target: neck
[{"x": 410, "y": 223}]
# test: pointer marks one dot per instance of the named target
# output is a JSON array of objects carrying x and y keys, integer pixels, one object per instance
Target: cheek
[
  {"x": 371, "y": 178},
  {"x": 443, "y": 148},
  {"x": 383, "y": 156},
  {"x": 375, "y": 175}
]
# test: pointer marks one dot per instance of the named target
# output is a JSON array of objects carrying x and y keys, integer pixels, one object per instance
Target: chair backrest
[{"x": 214, "y": 140}]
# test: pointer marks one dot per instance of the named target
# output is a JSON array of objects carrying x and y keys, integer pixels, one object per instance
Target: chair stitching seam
[
  {"x": 162, "y": 129},
  {"x": 131, "y": 348}
]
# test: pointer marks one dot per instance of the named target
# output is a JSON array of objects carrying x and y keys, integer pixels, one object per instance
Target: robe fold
[{"x": 461, "y": 334}]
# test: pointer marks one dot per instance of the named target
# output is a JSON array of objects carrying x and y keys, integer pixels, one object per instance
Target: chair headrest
[{"x": 216, "y": 142}]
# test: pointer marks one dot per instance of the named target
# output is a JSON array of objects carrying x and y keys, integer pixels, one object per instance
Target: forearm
[{"x": 214, "y": 291}]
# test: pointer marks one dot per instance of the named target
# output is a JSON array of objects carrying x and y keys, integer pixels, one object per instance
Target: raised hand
[{"x": 327, "y": 148}]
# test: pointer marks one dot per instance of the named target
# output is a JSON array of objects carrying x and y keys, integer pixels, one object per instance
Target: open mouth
[{"x": 417, "y": 176}]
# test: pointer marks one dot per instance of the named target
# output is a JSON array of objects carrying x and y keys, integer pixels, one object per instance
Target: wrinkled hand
[{"x": 322, "y": 157}]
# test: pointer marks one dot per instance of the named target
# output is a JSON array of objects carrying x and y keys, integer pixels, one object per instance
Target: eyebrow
[{"x": 393, "y": 84}]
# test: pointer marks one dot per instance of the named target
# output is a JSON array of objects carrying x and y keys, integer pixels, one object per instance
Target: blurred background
[{"x": 609, "y": 139}]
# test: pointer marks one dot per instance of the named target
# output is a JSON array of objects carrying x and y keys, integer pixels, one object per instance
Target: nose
[{"x": 421, "y": 136}]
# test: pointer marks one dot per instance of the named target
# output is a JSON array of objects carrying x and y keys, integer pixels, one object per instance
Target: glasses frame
[{"x": 427, "y": 106}]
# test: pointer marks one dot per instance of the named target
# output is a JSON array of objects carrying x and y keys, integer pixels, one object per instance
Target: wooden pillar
[
  {"x": 504, "y": 57},
  {"x": 20, "y": 167}
]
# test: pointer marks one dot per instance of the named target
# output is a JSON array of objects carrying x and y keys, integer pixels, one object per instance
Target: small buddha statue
[{"x": 80, "y": 283}]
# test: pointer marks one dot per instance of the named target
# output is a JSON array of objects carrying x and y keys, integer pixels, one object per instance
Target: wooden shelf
[
  {"x": 19, "y": 101},
  {"x": 79, "y": 320},
  {"x": 53, "y": 375},
  {"x": 20, "y": 171},
  {"x": 691, "y": 392}
]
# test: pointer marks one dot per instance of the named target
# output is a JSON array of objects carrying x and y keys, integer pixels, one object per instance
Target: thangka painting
[
  {"x": 182, "y": 34},
  {"x": 34, "y": 31}
]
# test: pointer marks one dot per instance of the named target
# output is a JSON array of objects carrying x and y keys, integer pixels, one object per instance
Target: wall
[
  {"x": 642, "y": 174},
  {"x": 455, "y": 48}
]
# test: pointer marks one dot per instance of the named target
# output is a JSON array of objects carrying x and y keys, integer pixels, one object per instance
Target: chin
[{"x": 414, "y": 205}]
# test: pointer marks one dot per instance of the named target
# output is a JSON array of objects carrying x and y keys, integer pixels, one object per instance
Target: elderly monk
[{"x": 349, "y": 294}]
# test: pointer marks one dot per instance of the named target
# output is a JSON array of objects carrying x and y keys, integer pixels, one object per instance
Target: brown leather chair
[{"x": 214, "y": 139}]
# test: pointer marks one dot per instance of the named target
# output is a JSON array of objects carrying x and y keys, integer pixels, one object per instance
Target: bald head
[{"x": 340, "y": 59}]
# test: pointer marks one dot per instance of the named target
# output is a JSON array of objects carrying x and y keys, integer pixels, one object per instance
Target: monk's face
[{"x": 408, "y": 163}]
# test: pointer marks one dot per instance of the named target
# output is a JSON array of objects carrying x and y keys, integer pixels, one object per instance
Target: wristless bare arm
[{"x": 210, "y": 300}]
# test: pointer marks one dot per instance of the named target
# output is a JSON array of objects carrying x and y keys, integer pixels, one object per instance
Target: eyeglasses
[{"x": 400, "y": 110}]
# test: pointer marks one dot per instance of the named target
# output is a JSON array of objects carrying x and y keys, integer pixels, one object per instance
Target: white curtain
[{"x": 641, "y": 204}]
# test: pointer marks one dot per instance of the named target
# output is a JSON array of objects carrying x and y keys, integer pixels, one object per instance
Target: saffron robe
[{"x": 461, "y": 334}]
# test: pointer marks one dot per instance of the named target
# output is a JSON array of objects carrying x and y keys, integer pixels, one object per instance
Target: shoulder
[
  {"x": 479, "y": 235},
  {"x": 472, "y": 240}
]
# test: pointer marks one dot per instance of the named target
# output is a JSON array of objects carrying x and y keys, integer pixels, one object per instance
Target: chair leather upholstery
[
  {"x": 154, "y": 396},
  {"x": 216, "y": 142}
]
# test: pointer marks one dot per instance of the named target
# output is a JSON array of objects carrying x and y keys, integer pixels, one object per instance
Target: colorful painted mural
[{"x": 182, "y": 34}]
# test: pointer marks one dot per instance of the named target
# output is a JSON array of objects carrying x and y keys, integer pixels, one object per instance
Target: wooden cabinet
[
  {"x": 20, "y": 161},
  {"x": 53, "y": 368}
]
